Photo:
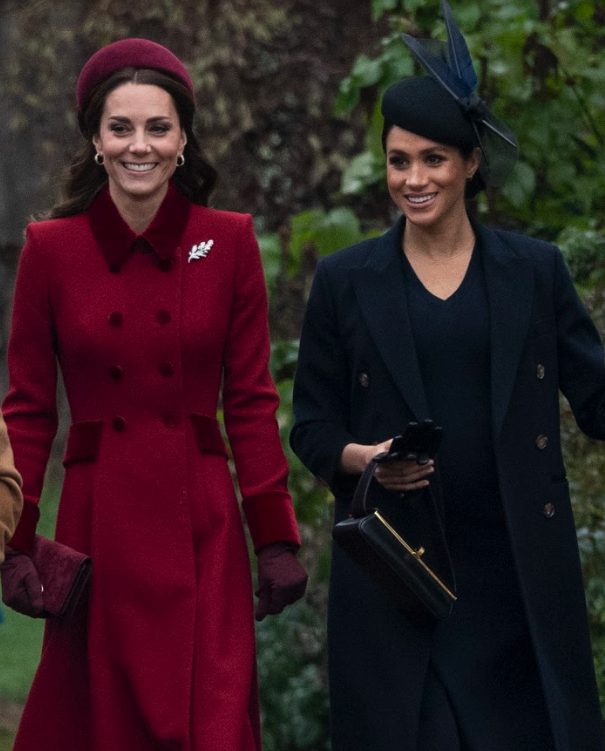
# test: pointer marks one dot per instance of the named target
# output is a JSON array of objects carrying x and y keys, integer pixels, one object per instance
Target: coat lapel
[
  {"x": 381, "y": 295},
  {"x": 510, "y": 284},
  {"x": 380, "y": 290}
]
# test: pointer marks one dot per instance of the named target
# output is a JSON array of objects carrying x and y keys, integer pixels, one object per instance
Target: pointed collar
[{"x": 116, "y": 239}]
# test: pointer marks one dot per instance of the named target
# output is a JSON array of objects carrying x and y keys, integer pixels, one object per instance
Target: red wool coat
[{"x": 147, "y": 334}]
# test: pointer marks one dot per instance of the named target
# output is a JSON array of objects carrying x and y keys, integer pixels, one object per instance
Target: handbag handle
[{"x": 359, "y": 502}]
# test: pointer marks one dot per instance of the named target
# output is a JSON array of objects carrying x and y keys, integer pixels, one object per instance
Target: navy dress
[{"x": 486, "y": 641}]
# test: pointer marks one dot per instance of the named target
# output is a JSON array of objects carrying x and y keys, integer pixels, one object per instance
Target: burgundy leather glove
[
  {"x": 281, "y": 578},
  {"x": 21, "y": 588}
]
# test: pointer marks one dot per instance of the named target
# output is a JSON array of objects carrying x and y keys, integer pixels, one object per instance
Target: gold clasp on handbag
[{"x": 416, "y": 553}]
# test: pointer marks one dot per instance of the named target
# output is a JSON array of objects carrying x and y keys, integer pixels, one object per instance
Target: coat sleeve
[
  {"x": 30, "y": 407},
  {"x": 11, "y": 499},
  {"x": 322, "y": 391},
  {"x": 581, "y": 356},
  {"x": 250, "y": 401}
]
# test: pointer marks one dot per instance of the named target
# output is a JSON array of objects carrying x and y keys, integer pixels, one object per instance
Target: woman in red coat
[{"x": 153, "y": 306}]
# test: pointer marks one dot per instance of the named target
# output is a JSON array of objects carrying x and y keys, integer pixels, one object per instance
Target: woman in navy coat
[{"x": 477, "y": 329}]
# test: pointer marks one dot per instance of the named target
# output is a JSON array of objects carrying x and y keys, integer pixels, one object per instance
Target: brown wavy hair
[{"x": 196, "y": 179}]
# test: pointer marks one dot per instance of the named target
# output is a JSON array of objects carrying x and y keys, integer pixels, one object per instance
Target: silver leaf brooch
[{"x": 200, "y": 251}]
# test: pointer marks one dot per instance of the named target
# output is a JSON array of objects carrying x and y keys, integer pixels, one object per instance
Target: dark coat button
[
  {"x": 165, "y": 264},
  {"x": 114, "y": 268},
  {"x": 164, "y": 316},
  {"x": 549, "y": 510},
  {"x": 542, "y": 441},
  {"x": 119, "y": 424},
  {"x": 115, "y": 318},
  {"x": 166, "y": 369},
  {"x": 170, "y": 420},
  {"x": 115, "y": 372},
  {"x": 540, "y": 372},
  {"x": 364, "y": 379}
]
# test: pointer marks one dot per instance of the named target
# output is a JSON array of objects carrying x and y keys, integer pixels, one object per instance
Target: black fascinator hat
[{"x": 444, "y": 106}]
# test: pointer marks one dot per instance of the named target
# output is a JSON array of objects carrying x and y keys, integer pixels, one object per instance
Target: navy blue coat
[{"x": 358, "y": 380}]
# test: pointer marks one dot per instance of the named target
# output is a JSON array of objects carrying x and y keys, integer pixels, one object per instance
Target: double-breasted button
[
  {"x": 549, "y": 510},
  {"x": 116, "y": 318},
  {"x": 540, "y": 372},
  {"x": 542, "y": 441},
  {"x": 364, "y": 380},
  {"x": 118, "y": 424},
  {"x": 164, "y": 316},
  {"x": 114, "y": 268},
  {"x": 165, "y": 264},
  {"x": 115, "y": 372},
  {"x": 166, "y": 369}
]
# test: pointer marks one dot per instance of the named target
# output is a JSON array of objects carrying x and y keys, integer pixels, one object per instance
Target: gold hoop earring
[
  {"x": 180, "y": 160},
  {"x": 99, "y": 159}
]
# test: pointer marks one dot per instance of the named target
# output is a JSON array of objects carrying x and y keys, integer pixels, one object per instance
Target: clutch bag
[
  {"x": 396, "y": 567},
  {"x": 64, "y": 574}
]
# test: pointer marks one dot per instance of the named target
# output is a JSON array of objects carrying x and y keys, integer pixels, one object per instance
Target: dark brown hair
[{"x": 196, "y": 179}]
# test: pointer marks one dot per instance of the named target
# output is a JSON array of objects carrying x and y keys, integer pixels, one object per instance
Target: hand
[
  {"x": 281, "y": 578},
  {"x": 404, "y": 476},
  {"x": 21, "y": 587}
]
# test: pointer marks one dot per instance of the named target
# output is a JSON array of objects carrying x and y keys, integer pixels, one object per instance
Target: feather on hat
[{"x": 450, "y": 65}]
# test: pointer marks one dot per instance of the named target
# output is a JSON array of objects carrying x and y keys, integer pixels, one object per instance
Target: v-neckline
[{"x": 435, "y": 299}]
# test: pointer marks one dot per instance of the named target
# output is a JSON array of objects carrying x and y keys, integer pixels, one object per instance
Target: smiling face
[
  {"x": 140, "y": 138},
  {"x": 427, "y": 179}
]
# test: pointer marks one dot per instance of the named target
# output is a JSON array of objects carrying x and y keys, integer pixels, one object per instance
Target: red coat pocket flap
[
  {"x": 83, "y": 442},
  {"x": 208, "y": 435}
]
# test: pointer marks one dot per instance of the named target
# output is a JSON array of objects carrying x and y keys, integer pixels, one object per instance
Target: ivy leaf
[{"x": 361, "y": 172}]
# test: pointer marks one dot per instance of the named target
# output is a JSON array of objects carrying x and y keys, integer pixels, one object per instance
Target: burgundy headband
[{"x": 128, "y": 53}]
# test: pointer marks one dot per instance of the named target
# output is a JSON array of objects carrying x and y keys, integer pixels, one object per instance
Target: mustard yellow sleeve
[{"x": 11, "y": 498}]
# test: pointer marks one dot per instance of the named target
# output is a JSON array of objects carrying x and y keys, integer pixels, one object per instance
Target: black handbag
[{"x": 396, "y": 567}]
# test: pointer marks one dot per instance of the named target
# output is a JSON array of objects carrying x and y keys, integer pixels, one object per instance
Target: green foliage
[
  {"x": 312, "y": 234},
  {"x": 328, "y": 231},
  {"x": 367, "y": 170},
  {"x": 293, "y": 682},
  {"x": 6, "y": 740},
  {"x": 311, "y": 499},
  {"x": 584, "y": 252},
  {"x": 271, "y": 253}
]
